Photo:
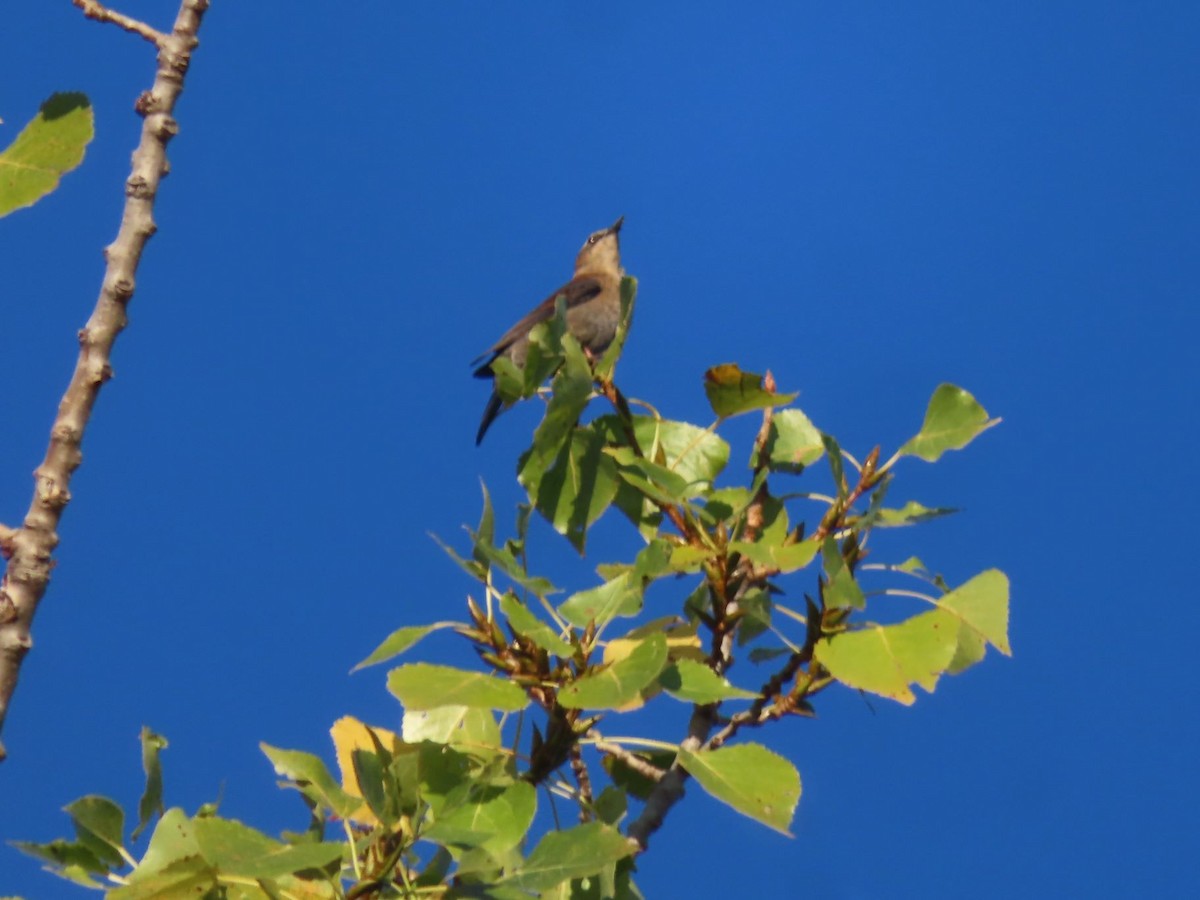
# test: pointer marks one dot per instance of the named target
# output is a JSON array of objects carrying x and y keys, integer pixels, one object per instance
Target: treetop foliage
[{"x": 766, "y": 575}]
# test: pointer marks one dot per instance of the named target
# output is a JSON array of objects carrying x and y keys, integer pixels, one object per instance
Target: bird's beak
[{"x": 616, "y": 226}]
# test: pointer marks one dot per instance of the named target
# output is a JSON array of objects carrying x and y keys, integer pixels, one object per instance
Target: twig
[
  {"x": 584, "y": 780},
  {"x": 630, "y": 760},
  {"x": 94, "y": 10},
  {"x": 32, "y": 544},
  {"x": 868, "y": 477}
]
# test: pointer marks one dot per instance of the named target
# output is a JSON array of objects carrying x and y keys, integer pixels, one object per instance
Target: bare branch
[
  {"x": 31, "y": 546},
  {"x": 94, "y": 10}
]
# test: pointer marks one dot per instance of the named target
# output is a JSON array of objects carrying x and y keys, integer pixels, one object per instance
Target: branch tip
[{"x": 93, "y": 9}]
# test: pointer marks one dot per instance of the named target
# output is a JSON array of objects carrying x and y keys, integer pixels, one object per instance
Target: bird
[{"x": 593, "y": 300}]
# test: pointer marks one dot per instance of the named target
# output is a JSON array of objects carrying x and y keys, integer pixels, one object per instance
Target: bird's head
[{"x": 601, "y": 252}]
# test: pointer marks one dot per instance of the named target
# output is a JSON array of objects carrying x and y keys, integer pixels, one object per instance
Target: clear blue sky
[{"x": 867, "y": 198}]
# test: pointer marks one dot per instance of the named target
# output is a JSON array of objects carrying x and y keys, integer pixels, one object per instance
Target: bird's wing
[{"x": 576, "y": 291}]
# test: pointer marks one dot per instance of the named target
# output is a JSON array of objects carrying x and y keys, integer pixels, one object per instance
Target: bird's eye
[{"x": 593, "y": 238}]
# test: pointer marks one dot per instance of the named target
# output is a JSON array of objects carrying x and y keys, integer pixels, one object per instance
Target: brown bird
[{"x": 593, "y": 300}]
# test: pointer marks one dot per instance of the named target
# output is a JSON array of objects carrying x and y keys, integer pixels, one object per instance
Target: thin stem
[
  {"x": 891, "y": 462},
  {"x": 809, "y": 495},
  {"x": 900, "y": 592},
  {"x": 632, "y": 741},
  {"x": 353, "y": 851},
  {"x": 888, "y": 567},
  {"x": 634, "y": 401}
]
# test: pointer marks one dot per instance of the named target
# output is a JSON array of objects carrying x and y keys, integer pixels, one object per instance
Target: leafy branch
[{"x": 449, "y": 805}]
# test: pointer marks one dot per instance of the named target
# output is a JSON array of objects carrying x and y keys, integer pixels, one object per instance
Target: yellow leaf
[{"x": 349, "y": 734}]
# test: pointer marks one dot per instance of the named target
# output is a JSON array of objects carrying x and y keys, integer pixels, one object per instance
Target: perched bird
[{"x": 593, "y": 300}]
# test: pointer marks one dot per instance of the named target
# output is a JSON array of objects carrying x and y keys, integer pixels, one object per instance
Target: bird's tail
[{"x": 494, "y": 405}]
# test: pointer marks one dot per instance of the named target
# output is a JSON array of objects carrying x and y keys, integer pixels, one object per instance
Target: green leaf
[
  {"x": 613, "y": 882},
  {"x": 503, "y": 559},
  {"x": 425, "y": 686},
  {"x": 688, "y": 558},
  {"x": 774, "y": 529},
  {"x": 915, "y": 567},
  {"x": 639, "y": 509},
  {"x": 841, "y": 590},
  {"x": 657, "y": 482},
  {"x": 172, "y": 840},
  {"x": 784, "y": 557},
  {"x": 436, "y": 869},
  {"x": 727, "y": 504},
  {"x": 731, "y": 391},
  {"x": 576, "y": 490},
  {"x": 632, "y": 781},
  {"x": 313, "y": 778},
  {"x": 694, "y": 682},
  {"x": 445, "y": 774},
  {"x": 509, "y": 380},
  {"x": 755, "y": 608},
  {"x": 953, "y": 419},
  {"x": 620, "y": 683},
  {"x": 837, "y": 466},
  {"x": 912, "y": 513},
  {"x": 571, "y": 390},
  {"x": 608, "y": 362},
  {"x": 971, "y": 648},
  {"x": 886, "y": 659},
  {"x": 612, "y": 804},
  {"x": 486, "y": 532},
  {"x": 473, "y": 567},
  {"x": 524, "y": 622},
  {"x": 100, "y": 826},
  {"x": 981, "y": 606},
  {"x": 236, "y": 849},
  {"x": 793, "y": 442},
  {"x": 622, "y": 596},
  {"x": 151, "y": 803},
  {"x": 46, "y": 149},
  {"x": 452, "y": 725},
  {"x": 186, "y": 878},
  {"x": 573, "y": 853},
  {"x": 66, "y": 856},
  {"x": 654, "y": 560},
  {"x": 494, "y": 817},
  {"x": 545, "y": 353},
  {"x": 399, "y": 641},
  {"x": 695, "y": 454},
  {"x": 376, "y": 783},
  {"x": 750, "y": 778}
]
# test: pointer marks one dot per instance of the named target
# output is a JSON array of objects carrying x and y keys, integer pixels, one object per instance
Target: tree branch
[
  {"x": 669, "y": 789},
  {"x": 31, "y": 545}
]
